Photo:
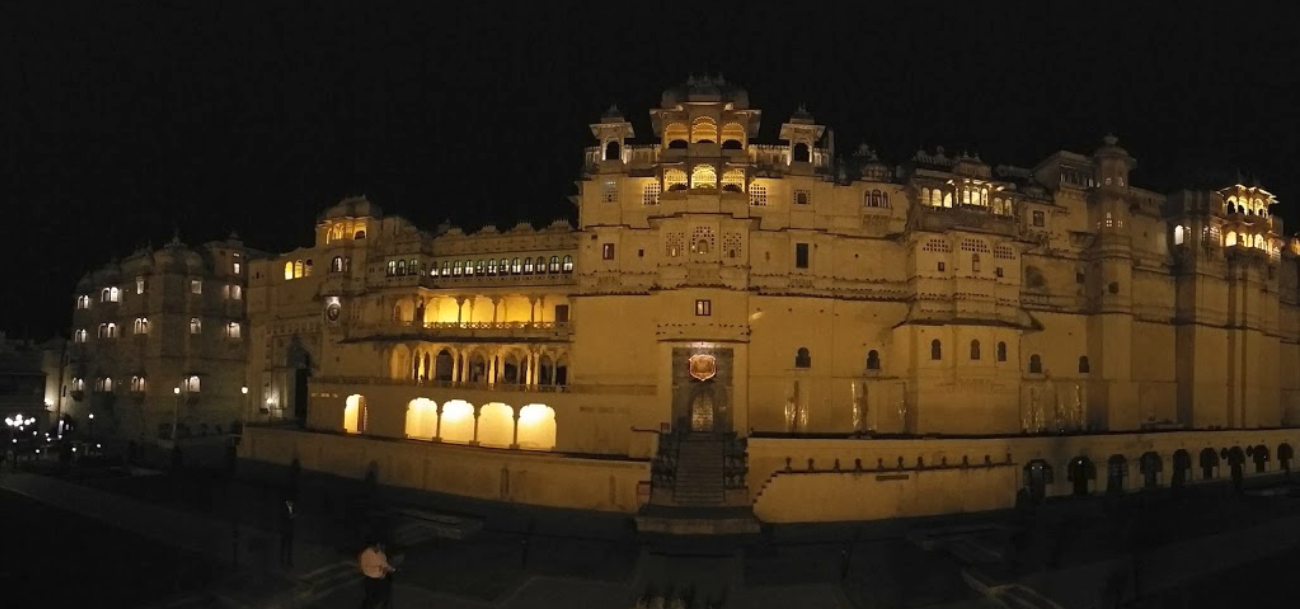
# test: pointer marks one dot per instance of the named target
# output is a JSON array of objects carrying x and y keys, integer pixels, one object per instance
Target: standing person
[
  {"x": 288, "y": 514},
  {"x": 375, "y": 570}
]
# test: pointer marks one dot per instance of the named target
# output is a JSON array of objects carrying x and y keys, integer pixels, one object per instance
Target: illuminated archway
[
  {"x": 496, "y": 425},
  {"x": 1259, "y": 241},
  {"x": 674, "y": 179},
  {"x": 704, "y": 176},
  {"x": 421, "y": 419},
  {"x": 1231, "y": 239},
  {"x": 355, "y": 414},
  {"x": 733, "y": 136},
  {"x": 457, "y": 422},
  {"x": 675, "y": 135},
  {"x": 536, "y": 427},
  {"x": 733, "y": 180},
  {"x": 704, "y": 130}
]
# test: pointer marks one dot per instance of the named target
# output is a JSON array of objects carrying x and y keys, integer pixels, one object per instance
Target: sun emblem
[{"x": 703, "y": 367}]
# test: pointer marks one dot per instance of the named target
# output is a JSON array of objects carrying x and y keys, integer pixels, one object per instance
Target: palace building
[
  {"x": 735, "y": 321},
  {"x": 159, "y": 344}
]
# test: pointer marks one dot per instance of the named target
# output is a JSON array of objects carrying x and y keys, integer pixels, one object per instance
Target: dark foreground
[{"x": 52, "y": 558}]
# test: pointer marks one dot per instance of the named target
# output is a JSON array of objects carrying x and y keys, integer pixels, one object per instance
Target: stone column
[
  {"x": 437, "y": 429},
  {"x": 492, "y": 369},
  {"x": 478, "y": 408},
  {"x": 460, "y": 305},
  {"x": 514, "y": 440},
  {"x": 455, "y": 365},
  {"x": 496, "y": 301},
  {"x": 532, "y": 309}
]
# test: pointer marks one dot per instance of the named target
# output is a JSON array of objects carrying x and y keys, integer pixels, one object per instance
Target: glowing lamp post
[
  {"x": 244, "y": 412},
  {"x": 176, "y": 408},
  {"x": 90, "y": 427}
]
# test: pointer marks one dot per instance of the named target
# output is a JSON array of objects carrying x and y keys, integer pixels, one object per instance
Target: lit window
[
  {"x": 196, "y": 325},
  {"x": 233, "y": 330},
  {"x": 504, "y": 266},
  {"x": 234, "y": 292},
  {"x": 492, "y": 266},
  {"x": 704, "y": 176},
  {"x": 401, "y": 268},
  {"x": 336, "y": 265},
  {"x": 456, "y": 268},
  {"x": 1110, "y": 221},
  {"x": 78, "y": 384},
  {"x": 237, "y": 268},
  {"x": 568, "y": 264},
  {"x": 141, "y": 325},
  {"x": 446, "y": 268},
  {"x": 288, "y": 271},
  {"x": 196, "y": 286},
  {"x": 733, "y": 180},
  {"x": 516, "y": 266},
  {"x": 80, "y": 335},
  {"x": 110, "y": 295},
  {"x": 609, "y": 193},
  {"x": 479, "y": 267},
  {"x": 413, "y": 267},
  {"x": 528, "y": 265},
  {"x": 703, "y": 308},
  {"x": 469, "y": 267},
  {"x": 555, "y": 262},
  {"x": 138, "y": 384},
  {"x": 83, "y": 302},
  {"x": 104, "y": 384},
  {"x": 674, "y": 179},
  {"x": 190, "y": 384},
  {"x": 139, "y": 285},
  {"x": 108, "y": 330},
  {"x": 1179, "y": 235},
  {"x": 607, "y": 251}
]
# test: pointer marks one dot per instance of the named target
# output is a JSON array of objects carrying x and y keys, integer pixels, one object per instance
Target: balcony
[
  {"x": 504, "y": 280},
  {"x": 482, "y": 331},
  {"x": 504, "y": 387}
]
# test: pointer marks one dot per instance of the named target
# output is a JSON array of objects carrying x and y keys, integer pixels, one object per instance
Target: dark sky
[{"x": 118, "y": 125}]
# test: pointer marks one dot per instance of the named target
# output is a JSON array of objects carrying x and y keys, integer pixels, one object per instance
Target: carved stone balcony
[
  {"x": 485, "y": 331},
  {"x": 604, "y": 389}
]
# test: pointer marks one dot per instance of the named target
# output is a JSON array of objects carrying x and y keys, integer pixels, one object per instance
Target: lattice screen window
[
  {"x": 757, "y": 194},
  {"x": 674, "y": 179},
  {"x": 802, "y": 197},
  {"x": 609, "y": 193},
  {"x": 703, "y": 240},
  {"x": 650, "y": 194},
  {"x": 1003, "y": 252},
  {"x": 732, "y": 245},
  {"x": 937, "y": 245},
  {"x": 974, "y": 245},
  {"x": 674, "y": 244}
]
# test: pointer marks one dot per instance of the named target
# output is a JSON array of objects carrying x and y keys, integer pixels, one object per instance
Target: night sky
[{"x": 120, "y": 125}]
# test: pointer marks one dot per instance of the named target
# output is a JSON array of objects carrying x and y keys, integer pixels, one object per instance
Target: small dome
[
  {"x": 706, "y": 89},
  {"x": 353, "y": 207}
]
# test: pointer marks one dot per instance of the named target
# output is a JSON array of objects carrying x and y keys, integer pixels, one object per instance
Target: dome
[
  {"x": 353, "y": 207},
  {"x": 706, "y": 89}
]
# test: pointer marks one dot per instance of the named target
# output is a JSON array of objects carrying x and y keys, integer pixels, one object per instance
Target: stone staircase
[{"x": 700, "y": 479}]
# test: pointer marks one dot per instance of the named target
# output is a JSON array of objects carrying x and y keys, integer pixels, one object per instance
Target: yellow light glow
[
  {"x": 537, "y": 427},
  {"x": 496, "y": 425},
  {"x": 421, "y": 419},
  {"x": 352, "y": 413},
  {"x": 457, "y": 422}
]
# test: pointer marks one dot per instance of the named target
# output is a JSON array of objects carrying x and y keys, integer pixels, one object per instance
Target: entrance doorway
[{"x": 702, "y": 411}]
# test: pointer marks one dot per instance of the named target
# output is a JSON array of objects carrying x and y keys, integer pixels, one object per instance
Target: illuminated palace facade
[{"x": 958, "y": 330}]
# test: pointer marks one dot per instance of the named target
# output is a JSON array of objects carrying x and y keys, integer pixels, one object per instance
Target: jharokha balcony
[
  {"x": 484, "y": 331},
  {"x": 603, "y": 389}
]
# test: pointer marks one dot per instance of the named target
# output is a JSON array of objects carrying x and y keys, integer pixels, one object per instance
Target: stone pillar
[
  {"x": 471, "y": 300},
  {"x": 532, "y": 309},
  {"x": 460, "y": 305},
  {"x": 478, "y": 408},
  {"x": 526, "y": 369},
  {"x": 492, "y": 369},
  {"x": 437, "y": 429},
  {"x": 496, "y": 301},
  {"x": 455, "y": 365},
  {"x": 514, "y": 440}
]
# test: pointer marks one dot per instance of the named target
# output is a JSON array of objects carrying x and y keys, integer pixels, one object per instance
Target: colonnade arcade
[
  {"x": 494, "y": 424},
  {"x": 460, "y": 309},
  {"x": 523, "y": 365}
]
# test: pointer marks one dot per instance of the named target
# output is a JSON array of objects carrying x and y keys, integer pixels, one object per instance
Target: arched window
[
  {"x": 873, "y": 360},
  {"x": 141, "y": 326},
  {"x": 1002, "y": 352},
  {"x": 936, "y": 350},
  {"x": 361, "y": 234},
  {"x": 925, "y": 197},
  {"x": 936, "y": 198},
  {"x": 733, "y": 180},
  {"x": 288, "y": 271},
  {"x": 704, "y": 130},
  {"x": 516, "y": 266},
  {"x": 802, "y": 358},
  {"x": 568, "y": 264},
  {"x": 555, "y": 264},
  {"x": 536, "y": 427},
  {"x": 83, "y": 302},
  {"x": 80, "y": 335},
  {"x": 528, "y": 265},
  {"x": 674, "y": 179},
  {"x": 191, "y": 384},
  {"x": 392, "y": 268},
  {"x": 469, "y": 267},
  {"x": 1178, "y": 235},
  {"x": 1084, "y": 368},
  {"x": 1259, "y": 241},
  {"x": 704, "y": 176},
  {"x": 975, "y": 350},
  {"x": 196, "y": 325},
  {"x": 480, "y": 267},
  {"x": 336, "y": 265},
  {"x": 612, "y": 151},
  {"x": 975, "y": 263},
  {"x": 492, "y": 266},
  {"x": 455, "y": 267},
  {"x": 675, "y": 136},
  {"x": 701, "y": 246},
  {"x": 947, "y": 199},
  {"x": 1035, "y": 364},
  {"x": 138, "y": 384},
  {"x": 401, "y": 268},
  {"x": 733, "y": 136},
  {"x": 1231, "y": 239},
  {"x": 800, "y": 153}
]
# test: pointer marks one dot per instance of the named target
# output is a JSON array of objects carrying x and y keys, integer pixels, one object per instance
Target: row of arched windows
[
  {"x": 512, "y": 266},
  {"x": 1243, "y": 205},
  {"x": 138, "y": 384},
  {"x": 297, "y": 269},
  {"x": 803, "y": 357},
  {"x": 702, "y": 177},
  {"x": 704, "y": 130},
  {"x": 1233, "y": 238}
]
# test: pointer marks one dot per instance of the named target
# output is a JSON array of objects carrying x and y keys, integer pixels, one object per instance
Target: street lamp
[
  {"x": 244, "y": 412},
  {"x": 176, "y": 407},
  {"x": 90, "y": 427}
]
